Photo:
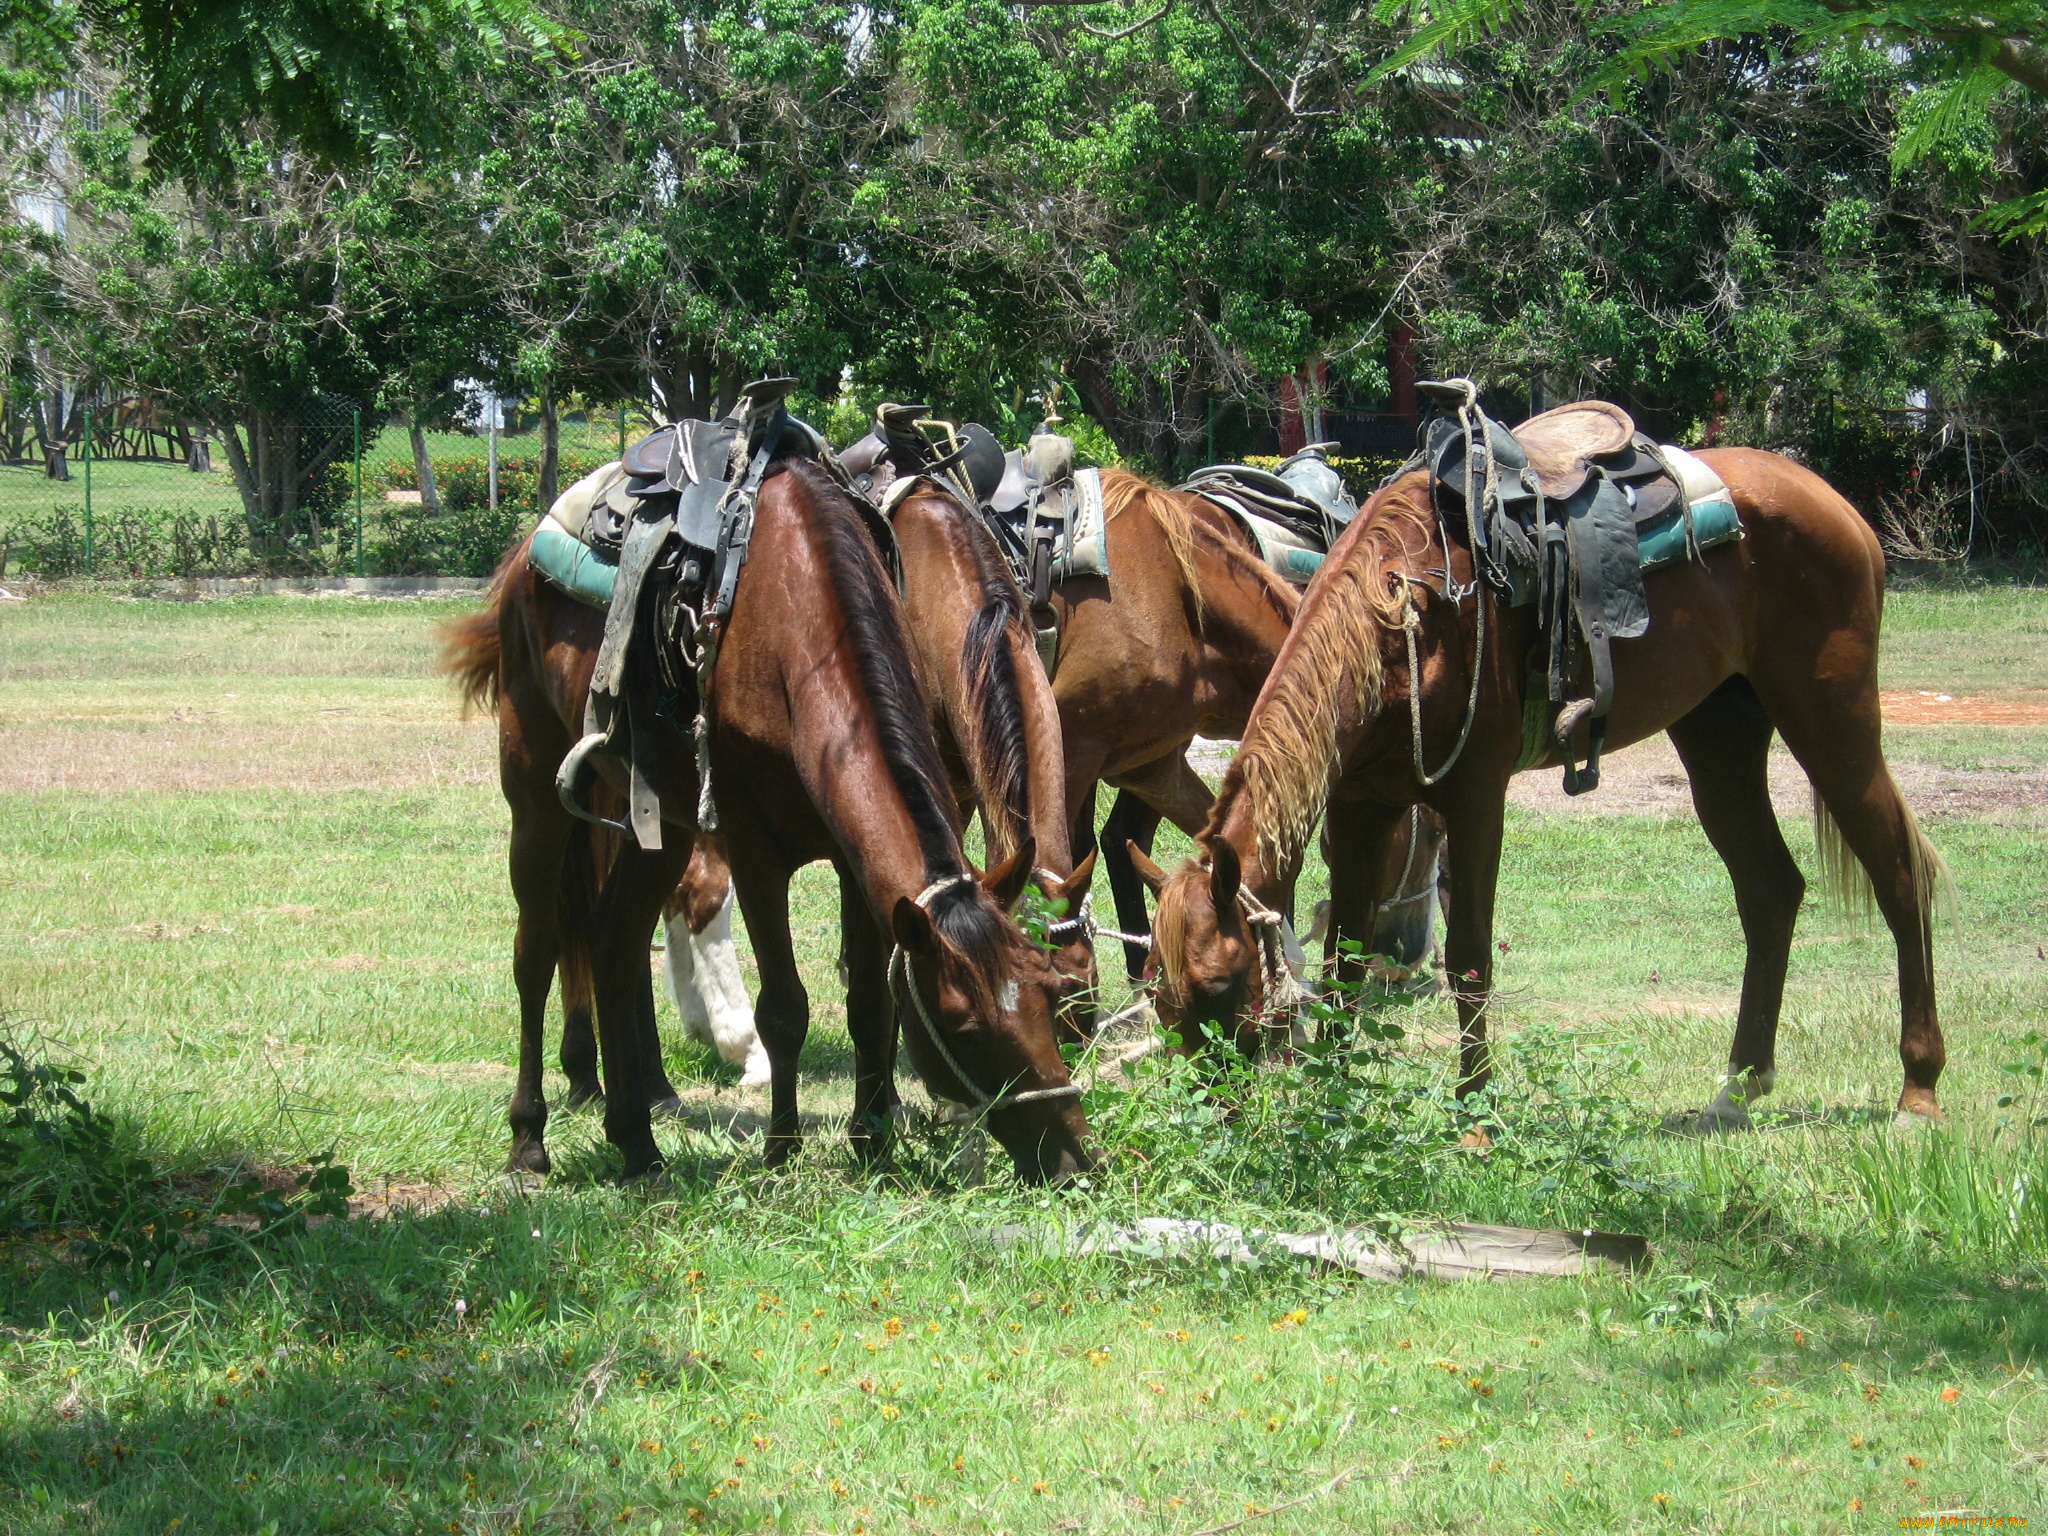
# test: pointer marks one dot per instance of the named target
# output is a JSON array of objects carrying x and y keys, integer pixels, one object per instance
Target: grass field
[{"x": 251, "y": 883}]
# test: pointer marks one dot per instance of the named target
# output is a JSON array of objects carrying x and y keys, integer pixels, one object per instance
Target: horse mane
[
  {"x": 966, "y": 921},
  {"x": 473, "y": 646},
  {"x": 1332, "y": 662},
  {"x": 1001, "y": 751},
  {"x": 1173, "y": 512}
]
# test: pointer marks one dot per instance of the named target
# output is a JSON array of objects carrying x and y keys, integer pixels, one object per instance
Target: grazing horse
[
  {"x": 997, "y": 721},
  {"x": 821, "y": 747},
  {"x": 1174, "y": 642},
  {"x": 1775, "y": 632}
]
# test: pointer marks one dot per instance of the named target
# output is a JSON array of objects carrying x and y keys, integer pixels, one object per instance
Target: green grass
[{"x": 253, "y": 972}]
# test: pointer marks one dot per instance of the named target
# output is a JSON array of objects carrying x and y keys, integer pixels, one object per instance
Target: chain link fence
[{"x": 114, "y": 488}]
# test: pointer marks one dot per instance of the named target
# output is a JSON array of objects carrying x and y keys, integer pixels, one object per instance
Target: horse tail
[
  {"x": 1846, "y": 884},
  {"x": 473, "y": 646}
]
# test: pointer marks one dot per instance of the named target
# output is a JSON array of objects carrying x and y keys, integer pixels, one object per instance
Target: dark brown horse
[
  {"x": 821, "y": 749},
  {"x": 1776, "y": 632},
  {"x": 998, "y": 724}
]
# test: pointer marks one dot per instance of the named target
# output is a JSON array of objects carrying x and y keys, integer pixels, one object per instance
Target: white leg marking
[{"x": 728, "y": 1013}]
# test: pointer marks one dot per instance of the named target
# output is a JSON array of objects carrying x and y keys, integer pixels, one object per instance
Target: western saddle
[{"x": 1552, "y": 511}]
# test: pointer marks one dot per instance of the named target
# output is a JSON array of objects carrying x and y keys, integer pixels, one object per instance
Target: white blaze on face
[
  {"x": 710, "y": 994},
  {"x": 1006, "y": 999}
]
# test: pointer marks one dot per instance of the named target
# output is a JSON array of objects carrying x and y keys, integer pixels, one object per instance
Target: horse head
[
  {"x": 976, "y": 1001},
  {"x": 1207, "y": 969}
]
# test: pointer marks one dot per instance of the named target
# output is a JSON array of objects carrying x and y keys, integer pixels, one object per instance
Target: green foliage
[
  {"x": 71, "y": 1183},
  {"x": 1359, "y": 1128}
]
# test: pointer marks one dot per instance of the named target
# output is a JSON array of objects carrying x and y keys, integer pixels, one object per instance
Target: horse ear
[
  {"x": 912, "y": 926},
  {"x": 1075, "y": 886},
  {"x": 1225, "y": 874},
  {"x": 1150, "y": 873},
  {"x": 1005, "y": 883}
]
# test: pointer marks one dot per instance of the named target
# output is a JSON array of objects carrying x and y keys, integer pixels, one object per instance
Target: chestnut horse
[
  {"x": 1176, "y": 642},
  {"x": 1775, "y": 632}
]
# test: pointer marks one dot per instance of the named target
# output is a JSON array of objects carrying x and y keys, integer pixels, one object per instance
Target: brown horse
[
  {"x": 997, "y": 722},
  {"x": 831, "y": 764},
  {"x": 1778, "y": 631}
]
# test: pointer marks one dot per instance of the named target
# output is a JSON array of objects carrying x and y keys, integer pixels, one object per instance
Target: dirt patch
[
  {"x": 1647, "y": 779},
  {"x": 1926, "y": 707}
]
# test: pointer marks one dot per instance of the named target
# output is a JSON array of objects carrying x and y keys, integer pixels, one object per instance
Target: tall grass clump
[{"x": 1364, "y": 1127}]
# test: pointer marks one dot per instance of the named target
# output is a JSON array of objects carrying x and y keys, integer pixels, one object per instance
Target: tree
[{"x": 1963, "y": 53}]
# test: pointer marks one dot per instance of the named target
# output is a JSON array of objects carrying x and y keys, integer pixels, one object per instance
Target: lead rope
[
  {"x": 1411, "y": 620},
  {"x": 1427, "y": 889},
  {"x": 900, "y": 980},
  {"x": 1284, "y": 992}
]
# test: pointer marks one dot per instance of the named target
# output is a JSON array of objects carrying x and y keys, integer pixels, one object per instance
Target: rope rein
[
  {"x": 901, "y": 981},
  {"x": 1411, "y": 620},
  {"x": 1427, "y": 889}
]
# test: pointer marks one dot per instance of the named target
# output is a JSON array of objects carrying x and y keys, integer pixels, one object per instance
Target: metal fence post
[
  {"x": 88, "y": 490},
  {"x": 356, "y": 426}
]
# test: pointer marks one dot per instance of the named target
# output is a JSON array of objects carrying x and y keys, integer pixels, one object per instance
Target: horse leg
[
  {"x": 1843, "y": 755},
  {"x": 1725, "y": 744},
  {"x": 782, "y": 1009},
  {"x": 539, "y": 845},
  {"x": 1473, "y": 825},
  {"x": 703, "y": 967},
  {"x": 1356, "y": 845},
  {"x": 579, "y": 886},
  {"x": 870, "y": 1021},
  {"x": 628, "y": 907},
  {"x": 1130, "y": 820}
]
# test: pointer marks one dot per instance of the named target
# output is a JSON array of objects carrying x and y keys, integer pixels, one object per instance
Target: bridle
[
  {"x": 1427, "y": 888},
  {"x": 901, "y": 981}
]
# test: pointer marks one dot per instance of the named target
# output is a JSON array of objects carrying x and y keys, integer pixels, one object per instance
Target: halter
[
  {"x": 1082, "y": 924},
  {"x": 900, "y": 981},
  {"x": 1283, "y": 989}
]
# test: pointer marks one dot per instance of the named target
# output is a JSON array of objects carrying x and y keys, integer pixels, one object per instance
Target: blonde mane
[
  {"x": 1123, "y": 490},
  {"x": 1331, "y": 667}
]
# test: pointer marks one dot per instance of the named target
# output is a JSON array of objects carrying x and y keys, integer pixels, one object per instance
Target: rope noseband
[{"x": 900, "y": 981}]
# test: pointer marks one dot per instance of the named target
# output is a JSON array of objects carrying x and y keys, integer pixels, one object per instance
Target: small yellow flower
[
  {"x": 1040, "y": 1489},
  {"x": 1660, "y": 1499},
  {"x": 1098, "y": 1357},
  {"x": 891, "y": 1412},
  {"x": 959, "y": 1463},
  {"x": 893, "y": 1327}
]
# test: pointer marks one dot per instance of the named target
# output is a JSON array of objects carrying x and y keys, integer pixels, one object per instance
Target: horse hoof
[
  {"x": 1723, "y": 1120},
  {"x": 1919, "y": 1121},
  {"x": 646, "y": 1172},
  {"x": 758, "y": 1074},
  {"x": 672, "y": 1106},
  {"x": 580, "y": 1097},
  {"x": 529, "y": 1157},
  {"x": 780, "y": 1150},
  {"x": 1476, "y": 1140}
]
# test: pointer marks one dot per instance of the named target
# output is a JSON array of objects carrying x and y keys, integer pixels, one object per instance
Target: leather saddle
[
  {"x": 1304, "y": 495},
  {"x": 1551, "y": 509}
]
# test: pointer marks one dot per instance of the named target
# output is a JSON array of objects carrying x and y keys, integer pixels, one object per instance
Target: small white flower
[{"x": 461, "y": 1307}]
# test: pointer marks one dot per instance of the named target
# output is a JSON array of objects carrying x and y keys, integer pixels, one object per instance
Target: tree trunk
[
  {"x": 550, "y": 450},
  {"x": 423, "y": 467}
]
